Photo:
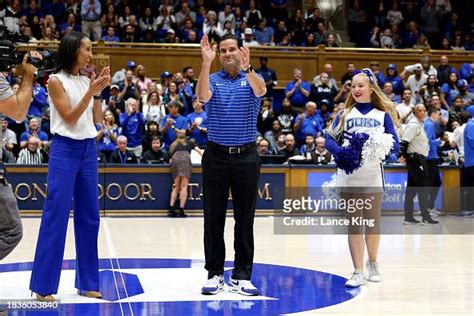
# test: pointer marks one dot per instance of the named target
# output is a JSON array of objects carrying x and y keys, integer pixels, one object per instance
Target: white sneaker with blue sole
[
  {"x": 243, "y": 287},
  {"x": 213, "y": 285}
]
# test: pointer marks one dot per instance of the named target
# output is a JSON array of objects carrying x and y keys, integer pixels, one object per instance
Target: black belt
[{"x": 232, "y": 150}]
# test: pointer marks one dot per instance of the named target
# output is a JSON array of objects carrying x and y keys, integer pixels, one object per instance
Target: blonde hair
[{"x": 378, "y": 99}]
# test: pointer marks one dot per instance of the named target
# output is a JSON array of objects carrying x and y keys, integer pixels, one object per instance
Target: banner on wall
[{"x": 141, "y": 190}]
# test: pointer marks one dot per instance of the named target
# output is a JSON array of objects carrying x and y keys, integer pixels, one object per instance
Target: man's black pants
[
  {"x": 435, "y": 181},
  {"x": 418, "y": 183},
  {"x": 240, "y": 173}
]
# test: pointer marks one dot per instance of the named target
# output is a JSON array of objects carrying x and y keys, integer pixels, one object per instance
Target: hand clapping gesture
[
  {"x": 244, "y": 57},
  {"x": 99, "y": 82},
  {"x": 208, "y": 52}
]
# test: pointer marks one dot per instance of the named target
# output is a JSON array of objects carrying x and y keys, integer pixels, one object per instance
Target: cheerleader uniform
[{"x": 363, "y": 117}]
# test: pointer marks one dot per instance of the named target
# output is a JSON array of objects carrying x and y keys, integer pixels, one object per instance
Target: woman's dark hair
[{"x": 68, "y": 51}]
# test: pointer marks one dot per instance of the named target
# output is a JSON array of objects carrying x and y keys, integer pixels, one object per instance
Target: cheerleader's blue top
[{"x": 363, "y": 108}]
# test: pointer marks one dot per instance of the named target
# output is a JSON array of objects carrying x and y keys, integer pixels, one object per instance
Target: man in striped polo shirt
[{"x": 232, "y": 101}]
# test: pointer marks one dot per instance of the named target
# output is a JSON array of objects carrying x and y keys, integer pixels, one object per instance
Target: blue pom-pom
[{"x": 349, "y": 158}]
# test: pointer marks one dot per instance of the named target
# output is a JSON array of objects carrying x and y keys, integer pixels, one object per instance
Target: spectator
[
  {"x": 188, "y": 27},
  {"x": 455, "y": 111},
  {"x": 263, "y": 147},
  {"x": 120, "y": 74},
  {"x": 323, "y": 113},
  {"x": 357, "y": 18},
  {"x": 253, "y": 15},
  {"x": 164, "y": 22},
  {"x": 449, "y": 90},
  {"x": 394, "y": 16},
  {"x": 458, "y": 44},
  {"x": 287, "y": 40},
  {"x": 343, "y": 93},
  {"x": 127, "y": 87},
  {"x": 248, "y": 38},
  {"x": 388, "y": 91},
  {"x": 153, "y": 109},
  {"x": 415, "y": 82},
  {"x": 184, "y": 14},
  {"x": 396, "y": 37},
  {"x": 129, "y": 34},
  {"x": 170, "y": 37},
  {"x": 310, "y": 40},
  {"x": 287, "y": 116},
  {"x": 109, "y": 18},
  {"x": 155, "y": 155},
  {"x": 212, "y": 28},
  {"x": 188, "y": 77},
  {"x": 34, "y": 131},
  {"x": 147, "y": 20},
  {"x": 321, "y": 34},
  {"x": 48, "y": 35},
  {"x": 280, "y": 144},
  {"x": 379, "y": 16},
  {"x": 322, "y": 89},
  {"x": 132, "y": 124},
  {"x": 386, "y": 40},
  {"x": 181, "y": 169},
  {"x": 265, "y": 117},
  {"x": 411, "y": 13},
  {"x": 298, "y": 91},
  {"x": 122, "y": 155},
  {"x": 107, "y": 135},
  {"x": 426, "y": 92},
  {"x": 227, "y": 15},
  {"x": 239, "y": 16},
  {"x": 192, "y": 38},
  {"x": 280, "y": 31},
  {"x": 142, "y": 81},
  {"x": 405, "y": 107},
  {"x": 152, "y": 130},
  {"x": 410, "y": 38},
  {"x": 466, "y": 96},
  {"x": 430, "y": 18},
  {"x": 330, "y": 41},
  {"x": 350, "y": 67},
  {"x": 90, "y": 14},
  {"x": 270, "y": 135},
  {"x": 329, "y": 71},
  {"x": 264, "y": 34},
  {"x": 308, "y": 147},
  {"x": 110, "y": 37},
  {"x": 290, "y": 149},
  {"x": 32, "y": 154},
  {"x": 12, "y": 16},
  {"x": 307, "y": 123},
  {"x": 321, "y": 156},
  {"x": 394, "y": 78},
  {"x": 125, "y": 17},
  {"x": 8, "y": 136},
  {"x": 444, "y": 70},
  {"x": 198, "y": 124},
  {"x": 172, "y": 94},
  {"x": 314, "y": 19},
  {"x": 39, "y": 99},
  {"x": 446, "y": 44},
  {"x": 173, "y": 123},
  {"x": 279, "y": 9}
]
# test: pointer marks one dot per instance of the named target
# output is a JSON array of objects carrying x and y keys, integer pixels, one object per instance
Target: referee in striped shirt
[{"x": 232, "y": 101}]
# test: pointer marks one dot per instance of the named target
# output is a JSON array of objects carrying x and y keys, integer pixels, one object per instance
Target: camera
[{"x": 9, "y": 57}]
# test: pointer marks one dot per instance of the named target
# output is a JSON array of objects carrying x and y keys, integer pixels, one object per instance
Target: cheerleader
[{"x": 366, "y": 109}]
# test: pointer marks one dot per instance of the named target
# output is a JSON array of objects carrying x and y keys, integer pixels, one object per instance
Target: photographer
[{"x": 14, "y": 106}]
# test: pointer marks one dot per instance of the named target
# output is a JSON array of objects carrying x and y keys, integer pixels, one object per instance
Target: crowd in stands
[
  {"x": 432, "y": 24},
  {"x": 143, "y": 117}
]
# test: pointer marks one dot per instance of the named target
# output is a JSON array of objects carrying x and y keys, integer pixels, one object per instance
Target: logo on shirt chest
[
  {"x": 243, "y": 83},
  {"x": 362, "y": 122}
]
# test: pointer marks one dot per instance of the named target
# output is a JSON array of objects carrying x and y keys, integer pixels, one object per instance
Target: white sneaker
[
  {"x": 356, "y": 280},
  {"x": 434, "y": 212},
  {"x": 243, "y": 287},
  {"x": 213, "y": 285},
  {"x": 374, "y": 274}
]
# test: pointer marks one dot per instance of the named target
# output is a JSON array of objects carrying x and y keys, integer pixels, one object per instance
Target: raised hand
[
  {"x": 99, "y": 82},
  {"x": 244, "y": 57},
  {"x": 208, "y": 52}
]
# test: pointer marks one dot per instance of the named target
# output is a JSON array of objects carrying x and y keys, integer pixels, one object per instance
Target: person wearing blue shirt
[
  {"x": 173, "y": 123},
  {"x": 307, "y": 123},
  {"x": 132, "y": 123},
  {"x": 268, "y": 75},
  {"x": 110, "y": 37},
  {"x": 434, "y": 116},
  {"x": 39, "y": 100},
  {"x": 197, "y": 121},
  {"x": 395, "y": 79},
  {"x": 298, "y": 91},
  {"x": 33, "y": 130},
  {"x": 468, "y": 169},
  {"x": 232, "y": 100}
]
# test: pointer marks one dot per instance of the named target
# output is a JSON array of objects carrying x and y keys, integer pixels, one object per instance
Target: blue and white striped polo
[{"x": 232, "y": 110}]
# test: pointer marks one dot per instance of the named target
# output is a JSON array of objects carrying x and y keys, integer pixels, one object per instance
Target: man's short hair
[
  {"x": 122, "y": 138},
  {"x": 432, "y": 110},
  {"x": 156, "y": 137},
  {"x": 227, "y": 37}
]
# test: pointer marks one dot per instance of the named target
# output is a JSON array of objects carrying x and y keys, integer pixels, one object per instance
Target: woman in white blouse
[{"x": 72, "y": 171}]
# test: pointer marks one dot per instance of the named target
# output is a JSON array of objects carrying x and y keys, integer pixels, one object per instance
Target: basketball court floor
[{"x": 154, "y": 266}]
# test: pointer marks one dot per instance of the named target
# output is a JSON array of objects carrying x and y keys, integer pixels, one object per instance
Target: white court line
[{"x": 113, "y": 254}]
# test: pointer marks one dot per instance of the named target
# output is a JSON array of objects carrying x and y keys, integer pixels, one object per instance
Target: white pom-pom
[{"x": 378, "y": 145}]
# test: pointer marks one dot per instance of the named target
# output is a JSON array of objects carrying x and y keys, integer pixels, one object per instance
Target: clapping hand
[
  {"x": 99, "y": 82},
  {"x": 208, "y": 52},
  {"x": 244, "y": 57}
]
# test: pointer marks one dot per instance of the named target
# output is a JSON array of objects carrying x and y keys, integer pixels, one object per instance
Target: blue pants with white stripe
[{"x": 72, "y": 174}]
